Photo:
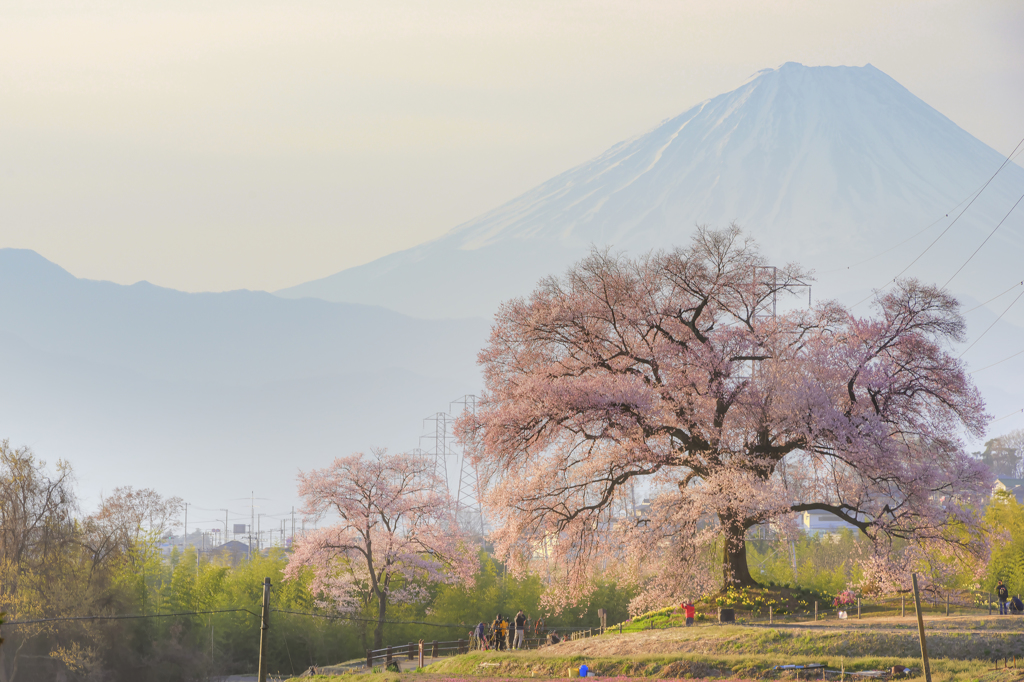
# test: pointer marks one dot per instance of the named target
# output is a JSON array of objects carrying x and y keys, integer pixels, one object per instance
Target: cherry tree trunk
[
  {"x": 382, "y": 608},
  {"x": 735, "y": 572}
]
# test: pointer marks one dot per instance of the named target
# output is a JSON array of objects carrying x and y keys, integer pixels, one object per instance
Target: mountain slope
[
  {"x": 232, "y": 338},
  {"x": 213, "y": 396},
  {"x": 826, "y": 165}
]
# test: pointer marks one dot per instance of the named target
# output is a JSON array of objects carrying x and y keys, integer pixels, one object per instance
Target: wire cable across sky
[{"x": 1005, "y": 163}]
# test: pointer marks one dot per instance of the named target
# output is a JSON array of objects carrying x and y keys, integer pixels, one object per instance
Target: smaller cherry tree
[{"x": 397, "y": 532}]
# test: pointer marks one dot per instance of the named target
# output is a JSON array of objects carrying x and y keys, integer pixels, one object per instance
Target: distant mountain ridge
[
  {"x": 821, "y": 164},
  {"x": 212, "y": 396},
  {"x": 215, "y": 395},
  {"x": 236, "y": 337}
]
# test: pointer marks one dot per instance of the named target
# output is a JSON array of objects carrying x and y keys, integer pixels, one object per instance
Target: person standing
[
  {"x": 520, "y": 630},
  {"x": 1004, "y": 596},
  {"x": 510, "y": 632},
  {"x": 496, "y": 639},
  {"x": 481, "y": 635},
  {"x": 691, "y": 612}
]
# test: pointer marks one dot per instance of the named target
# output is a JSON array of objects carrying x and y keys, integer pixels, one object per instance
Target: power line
[
  {"x": 982, "y": 305},
  {"x": 908, "y": 239},
  {"x": 369, "y": 620},
  {"x": 394, "y": 622},
  {"x": 1007, "y": 416},
  {"x": 1010, "y": 357},
  {"x": 983, "y": 243},
  {"x": 1006, "y": 161},
  {"x": 991, "y": 325},
  {"x": 128, "y": 617}
]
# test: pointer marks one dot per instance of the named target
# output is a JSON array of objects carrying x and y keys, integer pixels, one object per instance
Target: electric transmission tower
[
  {"x": 439, "y": 443},
  {"x": 467, "y": 498},
  {"x": 451, "y": 462}
]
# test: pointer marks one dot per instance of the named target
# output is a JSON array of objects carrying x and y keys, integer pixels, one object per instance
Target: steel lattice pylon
[
  {"x": 461, "y": 477},
  {"x": 467, "y": 497},
  {"x": 439, "y": 444}
]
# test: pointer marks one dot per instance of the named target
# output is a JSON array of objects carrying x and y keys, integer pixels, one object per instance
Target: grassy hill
[{"x": 961, "y": 648}]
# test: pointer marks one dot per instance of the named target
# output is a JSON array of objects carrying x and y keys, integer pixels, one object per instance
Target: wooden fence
[
  {"x": 411, "y": 651},
  {"x": 437, "y": 649}
]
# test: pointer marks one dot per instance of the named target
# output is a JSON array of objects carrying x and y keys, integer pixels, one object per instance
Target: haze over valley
[{"x": 839, "y": 168}]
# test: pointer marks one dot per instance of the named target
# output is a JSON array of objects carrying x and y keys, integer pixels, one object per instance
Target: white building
[
  {"x": 1014, "y": 486},
  {"x": 817, "y": 522}
]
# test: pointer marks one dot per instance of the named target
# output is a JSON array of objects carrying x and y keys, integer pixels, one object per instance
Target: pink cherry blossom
[
  {"x": 672, "y": 371},
  {"x": 397, "y": 533}
]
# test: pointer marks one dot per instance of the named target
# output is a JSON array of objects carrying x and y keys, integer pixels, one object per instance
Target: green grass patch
[{"x": 746, "y": 666}]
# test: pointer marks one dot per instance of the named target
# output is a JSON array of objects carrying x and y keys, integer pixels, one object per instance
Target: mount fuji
[
  {"x": 838, "y": 168},
  {"x": 827, "y": 166}
]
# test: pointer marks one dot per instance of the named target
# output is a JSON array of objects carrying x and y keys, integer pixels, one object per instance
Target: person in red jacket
[{"x": 691, "y": 612}]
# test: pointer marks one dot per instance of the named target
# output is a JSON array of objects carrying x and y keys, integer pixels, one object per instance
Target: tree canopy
[
  {"x": 676, "y": 370},
  {"x": 396, "y": 532}
]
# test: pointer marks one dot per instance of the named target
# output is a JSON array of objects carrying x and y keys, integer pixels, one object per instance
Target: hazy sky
[{"x": 219, "y": 145}]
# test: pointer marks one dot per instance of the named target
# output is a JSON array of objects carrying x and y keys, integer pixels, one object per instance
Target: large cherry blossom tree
[
  {"x": 676, "y": 369},
  {"x": 396, "y": 533}
]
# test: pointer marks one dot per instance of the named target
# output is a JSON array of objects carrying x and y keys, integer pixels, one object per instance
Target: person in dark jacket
[
  {"x": 520, "y": 638},
  {"x": 1004, "y": 595},
  {"x": 481, "y": 635}
]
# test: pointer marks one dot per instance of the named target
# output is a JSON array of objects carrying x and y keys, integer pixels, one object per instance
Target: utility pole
[
  {"x": 252, "y": 520},
  {"x": 259, "y": 533},
  {"x": 920, "y": 631},
  {"x": 293, "y": 526},
  {"x": 184, "y": 537},
  {"x": 264, "y": 626},
  {"x": 225, "y": 525}
]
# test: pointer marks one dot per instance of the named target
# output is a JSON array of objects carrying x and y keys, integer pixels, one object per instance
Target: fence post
[
  {"x": 433, "y": 649},
  {"x": 990, "y": 603},
  {"x": 903, "y": 605},
  {"x": 388, "y": 659},
  {"x": 421, "y": 654},
  {"x": 620, "y": 628},
  {"x": 858, "y": 607},
  {"x": 947, "y": 603},
  {"x": 815, "y": 609},
  {"x": 410, "y": 652},
  {"x": 769, "y": 614},
  {"x": 369, "y": 660}
]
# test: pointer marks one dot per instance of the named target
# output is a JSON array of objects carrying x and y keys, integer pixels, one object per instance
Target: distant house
[
  {"x": 232, "y": 553},
  {"x": 1014, "y": 486},
  {"x": 819, "y": 522}
]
